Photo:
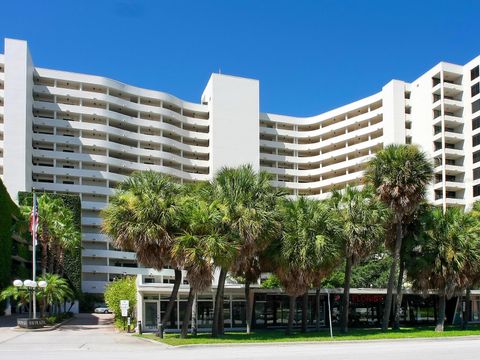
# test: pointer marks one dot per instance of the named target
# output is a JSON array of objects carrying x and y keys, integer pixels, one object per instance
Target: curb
[
  {"x": 168, "y": 346},
  {"x": 50, "y": 328},
  {"x": 327, "y": 342}
]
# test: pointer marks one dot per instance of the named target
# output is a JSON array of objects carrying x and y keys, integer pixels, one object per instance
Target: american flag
[{"x": 34, "y": 220}]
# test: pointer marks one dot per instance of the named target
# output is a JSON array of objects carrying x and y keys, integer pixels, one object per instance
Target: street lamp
[{"x": 30, "y": 286}]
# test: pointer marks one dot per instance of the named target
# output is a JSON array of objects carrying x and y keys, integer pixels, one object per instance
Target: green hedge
[
  {"x": 121, "y": 289},
  {"x": 8, "y": 210},
  {"x": 73, "y": 259}
]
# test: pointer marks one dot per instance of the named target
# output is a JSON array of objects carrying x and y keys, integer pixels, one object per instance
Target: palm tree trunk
[
  {"x": 441, "y": 313},
  {"x": 218, "y": 302},
  {"x": 304, "y": 312},
  {"x": 248, "y": 316},
  {"x": 291, "y": 314},
  {"x": 346, "y": 295},
  {"x": 391, "y": 279},
  {"x": 221, "y": 317},
  {"x": 44, "y": 241},
  {"x": 399, "y": 296},
  {"x": 194, "y": 315},
  {"x": 188, "y": 312},
  {"x": 466, "y": 313},
  {"x": 317, "y": 308},
  {"x": 173, "y": 297}
]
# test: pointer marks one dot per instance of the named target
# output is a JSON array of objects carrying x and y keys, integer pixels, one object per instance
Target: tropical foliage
[{"x": 121, "y": 289}]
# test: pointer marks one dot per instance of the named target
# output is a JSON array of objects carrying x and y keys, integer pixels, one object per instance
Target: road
[{"x": 93, "y": 337}]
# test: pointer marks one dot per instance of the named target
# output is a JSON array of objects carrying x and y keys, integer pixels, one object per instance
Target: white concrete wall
[
  {"x": 234, "y": 112},
  {"x": 393, "y": 95},
  {"x": 18, "y": 117}
]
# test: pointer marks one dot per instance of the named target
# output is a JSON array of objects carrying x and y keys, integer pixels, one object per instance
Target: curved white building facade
[{"x": 66, "y": 132}]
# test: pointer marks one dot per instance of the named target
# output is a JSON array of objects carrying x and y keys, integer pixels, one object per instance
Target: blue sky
[{"x": 310, "y": 56}]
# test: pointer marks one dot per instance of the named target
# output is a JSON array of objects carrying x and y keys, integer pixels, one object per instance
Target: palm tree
[
  {"x": 56, "y": 292},
  {"x": 306, "y": 244},
  {"x": 200, "y": 243},
  {"x": 249, "y": 202},
  {"x": 21, "y": 297},
  {"x": 57, "y": 231},
  {"x": 363, "y": 218},
  {"x": 446, "y": 251},
  {"x": 142, "y": 217},
  {"x": 400, "y": 174}
]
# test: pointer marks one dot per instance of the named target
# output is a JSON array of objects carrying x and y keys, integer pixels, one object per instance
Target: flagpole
[{"x": 34, "y": 260}]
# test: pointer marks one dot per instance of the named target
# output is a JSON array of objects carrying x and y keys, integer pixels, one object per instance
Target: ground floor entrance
[{"x": 271, "y": 309}]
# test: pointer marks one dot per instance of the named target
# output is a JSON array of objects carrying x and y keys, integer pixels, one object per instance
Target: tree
[
  {"x": 56, "y": 292},
  {"x": 445, "y": 254},
  {"x": 249, "y": 201},
  {"x": 142, "y": 216},
  {"x": 200, "y": 243},
  {"x": 124, "y": 288},
  {"x": 57, "y": 231},
  {"x": 400, "y": 174},
  {"x": 363, "y": 218},
  {"x": 306, "y": 244},
  {"x": 20, "y": 296}
]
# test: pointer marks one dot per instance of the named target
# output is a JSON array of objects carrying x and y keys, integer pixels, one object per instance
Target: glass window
[
  {"x": 475, "y": 106},
  {"x": 476, "y": 174},
  {"x": 476, "y": 123},
  {"x": 476, "y": 156},
  {"x": 476, "y": 190},
  {"x": 474, "y": 73},
  {"x": 476, "y": 140},
  {"x": 475, "y": 89},
  {"x": 151, "y": 315}
]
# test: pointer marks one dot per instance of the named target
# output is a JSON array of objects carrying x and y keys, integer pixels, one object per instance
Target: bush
[
  {"x": 55, "y": 319},
  {"x": 121, "y": 289}
]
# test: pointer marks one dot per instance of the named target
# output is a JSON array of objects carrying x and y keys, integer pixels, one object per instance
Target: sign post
[{"x": 124, "y": 305}]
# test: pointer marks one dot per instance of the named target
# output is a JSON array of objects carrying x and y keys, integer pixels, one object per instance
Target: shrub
[{"x": 121, "y": 289}]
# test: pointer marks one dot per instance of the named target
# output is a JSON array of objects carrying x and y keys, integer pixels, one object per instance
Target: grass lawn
[{"x": 324, "y": 335}]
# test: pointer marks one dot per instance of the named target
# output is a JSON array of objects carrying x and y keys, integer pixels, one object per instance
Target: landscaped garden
[{"x": 241, "y": 225}]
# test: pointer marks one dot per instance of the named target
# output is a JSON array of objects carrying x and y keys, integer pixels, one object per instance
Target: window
[
  {"x": 476, "y": 123},
  {"x": 475, "y": 106},
  {"x": 451, "y": 194},
  {"x": 476, "y": 156},
  {"x": 475, "y": 89},
  {"x": 474, "y": 73},
  {"x": 476, "y": 190},
  {"x": 476, "y": 140},
  {"x": 476, "y": 174}
]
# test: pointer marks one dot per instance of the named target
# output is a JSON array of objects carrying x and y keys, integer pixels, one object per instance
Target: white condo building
[{"x": 67, "y": 132}]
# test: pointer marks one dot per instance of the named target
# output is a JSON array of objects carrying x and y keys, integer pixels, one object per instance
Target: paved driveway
[{"x": 93, "y": 337}]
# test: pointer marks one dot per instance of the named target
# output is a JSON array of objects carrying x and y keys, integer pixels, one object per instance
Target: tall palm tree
[
  {"x": 400, "y": 174},
  {"x": 199, "y": 244},
  {"x": 307, "y": 243},
  {"x": 363, "y": 217},
  {"x": 57, "y": 231},
  {"x": 446, "y": 252},
  {"x": 249, "y": 202},
  {"x": 142, "y": 217}
]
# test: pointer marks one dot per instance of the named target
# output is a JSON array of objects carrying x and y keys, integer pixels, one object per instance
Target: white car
[{"x": 103, "y": 309}]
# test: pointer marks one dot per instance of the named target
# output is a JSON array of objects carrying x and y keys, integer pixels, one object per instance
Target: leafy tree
[
  {"x": 363, "y": 218},
  {"x": 57, "y": 231},
  {"x": 121, "y": 289},
  {"x": 197, "y": 247},
  {"x": 272, "y": 282},
  {"x": 56, "y": 292},
  {"x": 306, "y": 244},
  {"x": 446, "y": 251},
  {"x": 400, "y": 174},
  {"x": 249, "y": 201},
  {"x": 142, "y": 217}
]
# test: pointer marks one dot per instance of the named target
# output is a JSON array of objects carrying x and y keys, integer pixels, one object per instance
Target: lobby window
[
  {"x": 474, "y": 73},
  {"x": 476, "y": 89}
]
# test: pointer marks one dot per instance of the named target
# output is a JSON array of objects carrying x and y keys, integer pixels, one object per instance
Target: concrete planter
[{"x": 30, "y": 323}]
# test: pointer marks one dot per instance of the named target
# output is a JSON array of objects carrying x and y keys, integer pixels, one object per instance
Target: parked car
[{"x": 102, "y": 309}]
